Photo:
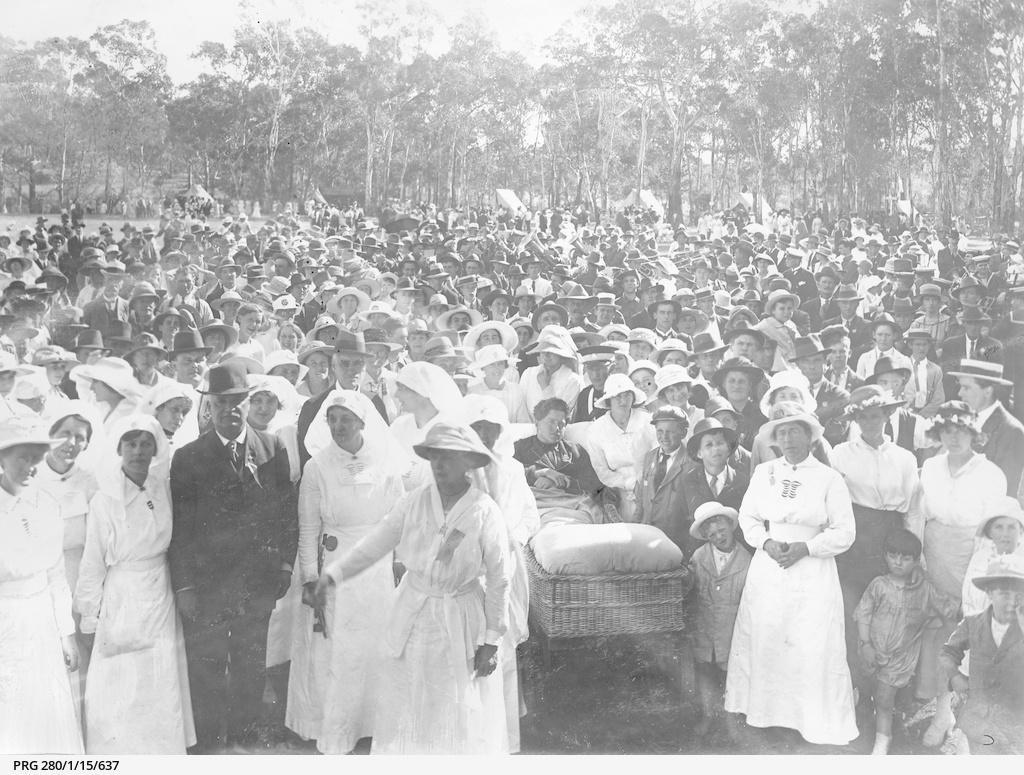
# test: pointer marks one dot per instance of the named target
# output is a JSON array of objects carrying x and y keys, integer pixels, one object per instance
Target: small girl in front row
[
  {"x": 720, "y": 568},
  {"x": 891, "y": 617}
]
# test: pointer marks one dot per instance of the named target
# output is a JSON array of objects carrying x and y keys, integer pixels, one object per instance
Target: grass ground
[{"x": 623, "y": 696}]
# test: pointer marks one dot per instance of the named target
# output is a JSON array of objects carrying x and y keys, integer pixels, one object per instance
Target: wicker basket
[{"x": 609, "y": 604}]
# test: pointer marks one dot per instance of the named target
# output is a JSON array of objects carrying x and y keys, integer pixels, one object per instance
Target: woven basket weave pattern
[{"x": 609, "y": 604}]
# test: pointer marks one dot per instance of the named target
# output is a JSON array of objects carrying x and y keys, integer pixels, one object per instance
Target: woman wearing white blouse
[
  {"x": 137, "y": 694},
  {"x": 37, "y": 633},
  {"x": 438, "y": 692},
  {"x": 618, "y": 440},
  {"x": 347, "y": 488},
  {"x": 958, "y": 488},
  {"x": 787, "y": 665},
  {"x": 555, "y": 376},
  {"x": 883, "y": 483}
]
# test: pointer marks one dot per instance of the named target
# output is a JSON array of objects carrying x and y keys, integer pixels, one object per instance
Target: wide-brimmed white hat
[
  {"x": 789, "y": 378},
  {"x": 1004, "y": 570},
  {"x": 670, "y": 375},
  {"x": 363, "y": 301},
  {"x": 16, "y": 431},
  {"x": 616, "y": 385},
  {"x": 509, "y": 337},
  {"x": 557, "y": 340},
  {"x": 489, "y": 355},
  {"x": 709, "y": 510},
  {"x": 115, "y": 373},
  {"x": 788, "y": 412},
  {"x": 283, "y": 358},
  {"x": 1001, "y": 506},
  {"x": 9, "y": 363},
  {"x": 446, "y": 437}
]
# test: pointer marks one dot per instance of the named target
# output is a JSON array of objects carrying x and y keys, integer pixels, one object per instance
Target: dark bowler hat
[
  {"x": 189, "y": 341},
  {"x": 807, "y": 347},
  {"x": 887, "y": 366},
  {"x": 348, "y": 343},
  {"x": 227, "y": 379},
  {"x": 90, "y": 339}
]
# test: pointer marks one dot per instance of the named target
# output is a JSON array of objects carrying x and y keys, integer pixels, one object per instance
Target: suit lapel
[
  {"x": 1011, "y": 639},
  {"x": 674, "y": 469}
]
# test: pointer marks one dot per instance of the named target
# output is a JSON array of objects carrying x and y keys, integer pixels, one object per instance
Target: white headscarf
[
  {"x": 433, "y": 383},
  {"x": 318, "y": 437},
  {"x": 109, "y": 473},
  {"x": 286, "y": 394}
]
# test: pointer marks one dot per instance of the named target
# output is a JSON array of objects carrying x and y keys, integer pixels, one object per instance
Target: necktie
[
  {"x": 236, "y": 454},
  {"x": 973, "y": 354},
  {"x": 714, "y": 485},
  {"x": 660, "y": 470}
]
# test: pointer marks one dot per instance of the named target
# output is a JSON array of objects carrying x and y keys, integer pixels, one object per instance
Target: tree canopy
[{"x": 839, "y": 107}]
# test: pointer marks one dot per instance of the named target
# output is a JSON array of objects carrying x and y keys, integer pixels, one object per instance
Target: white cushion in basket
[{"x": 590, "y": 550}]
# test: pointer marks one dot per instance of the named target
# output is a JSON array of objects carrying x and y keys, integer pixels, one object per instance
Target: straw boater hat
[
  {"x": 1005, "y": 571},
  {"x": 446, "y": 437},
  {"x": 616, "y": 385},
  {"x": 709, "y": 510},
  {"x": 983, "y": 371}
]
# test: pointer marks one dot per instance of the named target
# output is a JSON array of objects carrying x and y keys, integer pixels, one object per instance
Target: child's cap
[
  {"x": 901, "y": 541},
  {"x": 710, "y": 510},
  {"x": 1004, "y": 572}
]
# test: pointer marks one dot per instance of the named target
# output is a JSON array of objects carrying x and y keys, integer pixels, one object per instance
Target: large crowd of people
[{"x": 308, "y": 461}]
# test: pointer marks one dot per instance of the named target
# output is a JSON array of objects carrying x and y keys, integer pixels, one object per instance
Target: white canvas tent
[
  {"x": 644, "y": 198},
  {"x": 508, "y": 199}
]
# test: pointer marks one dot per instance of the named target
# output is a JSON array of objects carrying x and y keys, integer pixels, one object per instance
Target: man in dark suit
[
  {"x": 856, "y": 327},
  {"x": 234, "y": 539},
  {"x": 713, "y": 475},
  {"x": 970, "y": 345},
  {"x": 809, "y": 358},
  {"x": 660, "y": 498},
  {"x": 597, "y": 361},
  {"x": 901, "y": 427},
  {"x": 979, "y": 382},
  {"x": 109, "y": 307},
  {"x": 348, "y": 363},
  {"x": 822, "y": 307}
]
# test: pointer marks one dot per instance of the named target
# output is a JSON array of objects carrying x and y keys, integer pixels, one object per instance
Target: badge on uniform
[{"x": 447, "y": 550}]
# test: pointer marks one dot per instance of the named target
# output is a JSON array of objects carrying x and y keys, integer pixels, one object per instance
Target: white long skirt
[
  {"x": 426, "y": 709},
  {"x": 333, "y": 682},
  {"x": 137, "y": 696},
  {"x": 787, "y": 665},
  {"x": 37, "y": 712}
]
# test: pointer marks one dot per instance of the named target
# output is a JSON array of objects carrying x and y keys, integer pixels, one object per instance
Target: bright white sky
[{"x": 180, "y": 25}]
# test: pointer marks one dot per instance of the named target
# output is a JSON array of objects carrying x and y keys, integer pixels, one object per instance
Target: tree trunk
[
  {"x": 675, "y": 199},
  {"x": 368, "y": 172},
  {"x": 641, "y": 151}
]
